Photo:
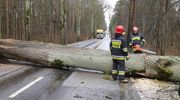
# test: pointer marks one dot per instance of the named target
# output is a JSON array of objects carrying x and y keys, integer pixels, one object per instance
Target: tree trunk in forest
[
  {"x": 131, "y": 20},
  {"x": 162, "y": 67},
  {"x": 79, "y": 25},
  {"x": 92, "y": 26},
  {"x": 7, "y": 17}
]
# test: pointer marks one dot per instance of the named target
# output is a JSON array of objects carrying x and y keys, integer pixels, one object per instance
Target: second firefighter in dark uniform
[
  {"x": 136, "y": 39},
  {"x": 119, "y": 54}
]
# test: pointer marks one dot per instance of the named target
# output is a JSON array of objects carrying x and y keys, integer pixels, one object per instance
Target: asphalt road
[{"x": 31, "y": 83}]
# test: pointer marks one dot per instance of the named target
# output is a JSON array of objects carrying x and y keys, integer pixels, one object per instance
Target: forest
[
  {"x": 68, "y": 21},
  {"x": 158, "y": 21},
  {"x": 55, "y": 21}
]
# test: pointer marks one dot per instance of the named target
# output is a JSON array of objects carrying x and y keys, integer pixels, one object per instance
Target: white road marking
[{"x": 25, "y": 87}]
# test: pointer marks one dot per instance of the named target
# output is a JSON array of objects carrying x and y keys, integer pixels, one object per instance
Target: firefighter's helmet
[
  {"x": 119, "y": 29},
  {"x": 135, "y": 29}
]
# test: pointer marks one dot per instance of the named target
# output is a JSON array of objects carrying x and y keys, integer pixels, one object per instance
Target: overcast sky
[{"x": 109, "y": 13}]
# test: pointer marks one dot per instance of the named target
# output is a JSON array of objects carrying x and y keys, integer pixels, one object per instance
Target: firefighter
[
  {"x": 119, "y": 54},
  {"x": 136, "y": 39}
]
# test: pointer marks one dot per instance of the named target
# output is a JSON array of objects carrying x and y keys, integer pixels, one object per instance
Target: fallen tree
[{"x": 163, "y": 67}]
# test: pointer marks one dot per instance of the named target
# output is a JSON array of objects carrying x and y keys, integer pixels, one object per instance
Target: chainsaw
[{"x": 138, "y": 48}]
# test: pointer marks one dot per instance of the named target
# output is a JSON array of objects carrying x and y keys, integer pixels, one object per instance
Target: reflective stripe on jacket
[
  {"x": 137, "y": 39},
  {"x": 118, "y": 48}
]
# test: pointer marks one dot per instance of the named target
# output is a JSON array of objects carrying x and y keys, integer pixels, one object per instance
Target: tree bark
[
  {"x": 162, "y": 67},
  {"x": 131, "y": 20}
]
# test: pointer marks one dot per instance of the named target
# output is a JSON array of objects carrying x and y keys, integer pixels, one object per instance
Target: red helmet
[
  {"x": 119, "y": 29},
  {"x": 135, "y": 29}
]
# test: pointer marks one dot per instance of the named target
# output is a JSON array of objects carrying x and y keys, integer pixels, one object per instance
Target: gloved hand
[
  {"x": 127, "y": 58},
  {"x": 142, "y": 43}
]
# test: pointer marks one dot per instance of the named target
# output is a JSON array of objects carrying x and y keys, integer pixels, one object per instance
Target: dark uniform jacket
[
  {"x": 118, "y": 48},
  {"x": 137, "y": 39}
]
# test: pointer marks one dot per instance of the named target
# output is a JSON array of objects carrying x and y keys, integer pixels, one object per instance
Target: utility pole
[{"x": 131, "y": 20}]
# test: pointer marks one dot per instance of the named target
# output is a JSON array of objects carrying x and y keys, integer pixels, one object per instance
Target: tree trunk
[
  {"x": 163, "y": 67},
  {"x": 131, "y": 20}
]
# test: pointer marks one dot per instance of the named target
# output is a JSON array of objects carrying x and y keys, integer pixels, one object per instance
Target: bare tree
[{"x": 57, "y": 21}]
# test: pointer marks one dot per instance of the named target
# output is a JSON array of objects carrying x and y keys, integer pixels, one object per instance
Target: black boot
[{"x": 114, "y": 77}]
